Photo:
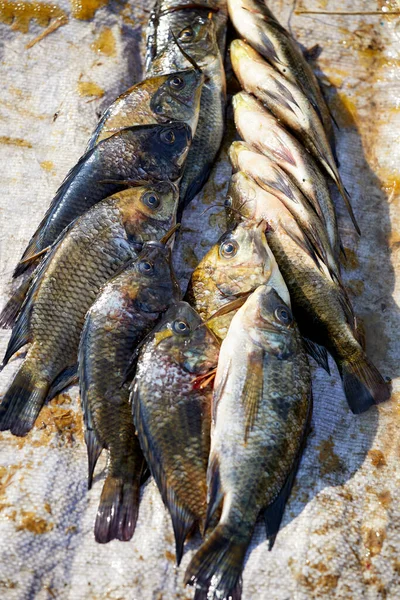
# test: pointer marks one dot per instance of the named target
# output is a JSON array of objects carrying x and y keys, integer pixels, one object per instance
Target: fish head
[
  {"x": 187, "y": 340},
  {"x": 236, "y": 149},
  {"x": 191, "y": 38},
  {"x": 157, "y": 284},
  {"x": 238, "y": 263},
  {"x": 178, "y": 98},
  {"x": 156, "y": 202},
  {"x": 270, "y": 321},
  {"x": 198, "y": 38},
  {"x": 241, "y": 201},
  {"x": 166, "y": 150}
]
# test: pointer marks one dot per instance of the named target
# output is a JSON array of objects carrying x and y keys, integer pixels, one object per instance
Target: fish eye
[
  {"x": 145, "y": 267},
  {"x": 283, "y": 314},
  {"x": 168, "y": 137},
  {"x": 151, "y": 200},
  {"x": 228, "y": 202},
  {"x": 180, "y": 327},
  {"x": 229, "y": 249},
  {"x": 176, "y": 83},
  {"x": 158, "y": 109},
  {"x": 186, "y": 35}
]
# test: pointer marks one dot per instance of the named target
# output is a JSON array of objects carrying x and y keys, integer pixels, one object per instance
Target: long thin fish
[
  {"x": 172, "y": 414},
  {"x": 287, "y": 102},
  {"x": 259, "y": 128},
  {"x": 255, "y": 23},
  {"x": 275, "y": 181},
  {"x": 65, "y": 285},
  {"x": 126, "y": 309},
  {"x": 261, "y": 411}
]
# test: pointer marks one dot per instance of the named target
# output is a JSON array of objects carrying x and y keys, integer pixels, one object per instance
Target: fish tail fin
[
  {"x": 118, "y": 510},
  {"x": 22, "y": 402},
  {"x": 219, "y": 559},
  {"x": 363, "y": 384},
  {"x": 11, "y": 310},
  {"x": 182, "y": 523}
]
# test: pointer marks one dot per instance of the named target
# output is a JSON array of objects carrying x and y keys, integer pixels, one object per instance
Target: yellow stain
[
  {"x": 15, "y": 142},
  {"x": 88, "y": 88},
  {"x": 20, "y": 14},
  {"x": 47, "y": 165},
  {"x": 105, "y": 43},
  {"x": 85, "y": 9}
]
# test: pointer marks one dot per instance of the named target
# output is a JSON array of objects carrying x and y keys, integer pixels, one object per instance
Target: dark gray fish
[
  {"x": 126, "y": 309},
  {"x": 145, "y": 153}
]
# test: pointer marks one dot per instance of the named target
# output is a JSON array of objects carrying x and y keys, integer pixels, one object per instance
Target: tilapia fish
[
  {"x": 145, "y": 153},
  {"x": 287, "y": 102},
  {"x": 159, "y": 99},
  {"x": 259, "y": 128},
  {"x": 172, "y": 413},
  {"x": 170, "y": 18},
  {"x": 236, "y": 265},
  {"x": 274, "y": 180},
  {"x": 261, "y": 409},
  {"x": 320, "y": 303},
  {"x": 126, "y": 309},
  {"x": 65, "y": 285},
  {"x": 194, "y": 28},
  {"x": 254, "y": 22}
]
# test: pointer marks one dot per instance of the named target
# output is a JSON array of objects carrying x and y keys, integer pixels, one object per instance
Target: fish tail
[
  {"x": 363, "y": 384},
  {"x": 22, "y": 402},
  {"x": 118, "y": 510},
  {"x": 220, "y": 559}
]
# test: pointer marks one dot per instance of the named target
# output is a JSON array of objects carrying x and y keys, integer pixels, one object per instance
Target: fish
[
  {"x": 287, "y": 103},
  {"x": 159, "y": 99},
  {"x": 260, "y": 129},
  {"x": 193, "y": 29},
  {"x": 256, "y": 23},
  {"x": 174, "y": 22},
  {"x": 172, "y": 413},
  {"x": 237, "y": 264},
  {"x": 261, "y": 411},
  {"x": 144, "y": 153},
  {"x": 64, "y": 286},
  {"x": 320, "y": 304},
  {"x": 274, "y": 180},
  {"x": 126, "y": 309}
]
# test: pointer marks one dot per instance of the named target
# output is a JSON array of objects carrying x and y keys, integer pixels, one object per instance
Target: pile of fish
[{"x": 212, "y": 395}]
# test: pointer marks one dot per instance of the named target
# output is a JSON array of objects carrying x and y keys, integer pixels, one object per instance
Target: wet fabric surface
[{"x": 340, "y": 536}]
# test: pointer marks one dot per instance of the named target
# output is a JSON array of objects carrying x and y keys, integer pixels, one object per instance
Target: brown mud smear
[{"x": 105, "y": 43}]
